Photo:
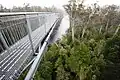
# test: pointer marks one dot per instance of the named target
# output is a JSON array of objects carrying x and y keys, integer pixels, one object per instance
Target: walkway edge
[{"x": 35, "y": 64}]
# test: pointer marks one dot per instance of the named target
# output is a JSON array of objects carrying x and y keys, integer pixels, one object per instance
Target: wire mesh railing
[
  {"x": 20, "y": 35},
  {"x": 13, "y": 26},
  {"x": 12, "y": 29}
]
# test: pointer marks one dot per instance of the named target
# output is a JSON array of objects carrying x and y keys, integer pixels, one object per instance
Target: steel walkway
[{"x": 20, "y": 36}]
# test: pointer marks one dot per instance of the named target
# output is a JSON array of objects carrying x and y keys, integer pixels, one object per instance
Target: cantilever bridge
[{"x": 21, "y": 35}]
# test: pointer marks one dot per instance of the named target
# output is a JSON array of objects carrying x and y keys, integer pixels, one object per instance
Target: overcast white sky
[{"x": 48, "y": 3}]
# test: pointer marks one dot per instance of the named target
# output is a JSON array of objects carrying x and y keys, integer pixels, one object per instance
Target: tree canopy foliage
[{"x": 28, "y": 8}]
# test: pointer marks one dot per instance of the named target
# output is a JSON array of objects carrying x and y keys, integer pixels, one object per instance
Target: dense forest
[
  {"x": 91, "y": 48},
  {"x": 28, "y": 8}
]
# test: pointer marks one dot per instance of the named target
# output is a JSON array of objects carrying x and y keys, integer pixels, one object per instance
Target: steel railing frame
[
  {"x": 27, "y": 19},
  {"x": 36, "y": 62},
  {"x": 27, "y": 16}
]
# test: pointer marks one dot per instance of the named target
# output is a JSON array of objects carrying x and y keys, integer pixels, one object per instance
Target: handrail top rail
[{"x": 23, "y": 13}]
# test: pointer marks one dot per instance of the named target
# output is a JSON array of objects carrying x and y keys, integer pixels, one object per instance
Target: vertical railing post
[
  {"x": 3, "y": 40},
  {"x": 45, "y": 22},
  {"x": 29, "y": 32},
  {"x": 39, "y": 19},
  {"x": 39, "y": 26}
]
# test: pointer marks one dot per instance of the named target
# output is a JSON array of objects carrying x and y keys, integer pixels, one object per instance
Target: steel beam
[
  {"x": 3, "y": 40},
  {"x": 29, "y": 32}
]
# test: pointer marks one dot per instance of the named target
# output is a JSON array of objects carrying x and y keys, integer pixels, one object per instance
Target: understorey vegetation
[{"x": 91, "y": 48}]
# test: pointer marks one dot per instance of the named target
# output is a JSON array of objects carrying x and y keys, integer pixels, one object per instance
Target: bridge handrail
[
  {"x": 36, "y": 62},
  {"x": 23, "y": 13}
]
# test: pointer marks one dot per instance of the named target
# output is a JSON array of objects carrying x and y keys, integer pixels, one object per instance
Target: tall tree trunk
[
  {"x": 116, "y": 31},
  {"x": 100, "y": 29},
  {"x": 73, "y": 31},
  {"x": 72, "y": 26},
  {"x": 83, "y": 32},
  {"x": 70, "y": 23},
  {"x": 107, "y": 24}
]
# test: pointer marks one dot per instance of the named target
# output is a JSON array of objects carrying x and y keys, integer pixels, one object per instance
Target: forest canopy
[{"x": 28, "y": 8}]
